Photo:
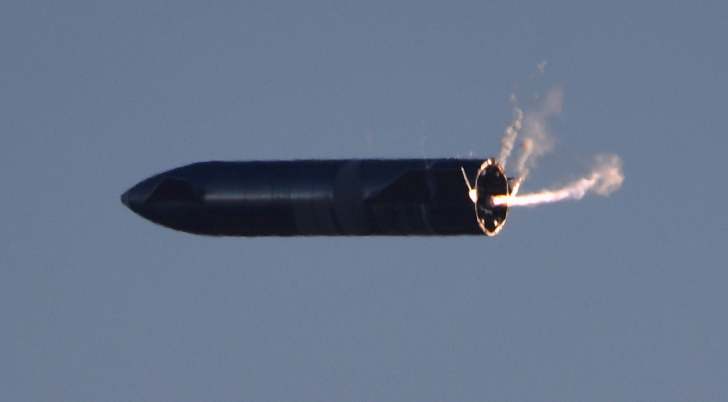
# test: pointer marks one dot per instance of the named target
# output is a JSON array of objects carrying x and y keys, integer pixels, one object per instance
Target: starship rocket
[{"x": 347, "y": 197}]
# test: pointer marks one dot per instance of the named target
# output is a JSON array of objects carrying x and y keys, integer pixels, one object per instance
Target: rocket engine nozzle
[{"x": 490, "y": 181}]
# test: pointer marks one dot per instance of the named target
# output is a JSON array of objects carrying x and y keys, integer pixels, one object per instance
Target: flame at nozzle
[{"x": 605, "y": 178}]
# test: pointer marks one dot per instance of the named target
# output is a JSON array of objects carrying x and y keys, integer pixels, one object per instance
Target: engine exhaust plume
[{"x": 605, "y": 178}]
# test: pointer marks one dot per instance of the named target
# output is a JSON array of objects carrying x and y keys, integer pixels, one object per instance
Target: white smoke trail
[
  {"x": 605, "y": 178},
  {"x": 509, "y": 137},
  {"x": 534, "y": 125},
  {"x": 524, "y": 152},
  {"x": 538, "y": 140}
]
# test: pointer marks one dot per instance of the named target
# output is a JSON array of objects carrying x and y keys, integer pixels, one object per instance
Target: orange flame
[{"x": 605, "y": 178}]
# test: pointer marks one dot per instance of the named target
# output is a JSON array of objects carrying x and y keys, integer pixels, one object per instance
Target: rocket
[{"x": 346, "y": 197}]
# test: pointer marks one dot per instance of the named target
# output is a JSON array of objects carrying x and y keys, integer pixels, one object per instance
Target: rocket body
[{"x": 396, "y": 197}]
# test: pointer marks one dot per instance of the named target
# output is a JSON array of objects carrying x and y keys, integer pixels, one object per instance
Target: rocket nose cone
[{"x": 125, "y": 199}]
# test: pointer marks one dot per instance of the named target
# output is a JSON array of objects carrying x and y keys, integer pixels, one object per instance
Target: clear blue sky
[{"x": 607, "y": 299}]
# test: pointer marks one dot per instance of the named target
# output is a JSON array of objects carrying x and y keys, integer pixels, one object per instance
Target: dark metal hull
[{"x": 394, "y": 197}]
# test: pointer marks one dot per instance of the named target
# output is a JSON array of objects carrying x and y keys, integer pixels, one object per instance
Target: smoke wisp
[
  {"x": 509, "y": 137},
  {"x": 605, "y": 177}
]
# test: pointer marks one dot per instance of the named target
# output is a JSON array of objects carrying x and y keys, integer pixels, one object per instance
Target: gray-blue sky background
[{"x": 606, "y": 299}]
